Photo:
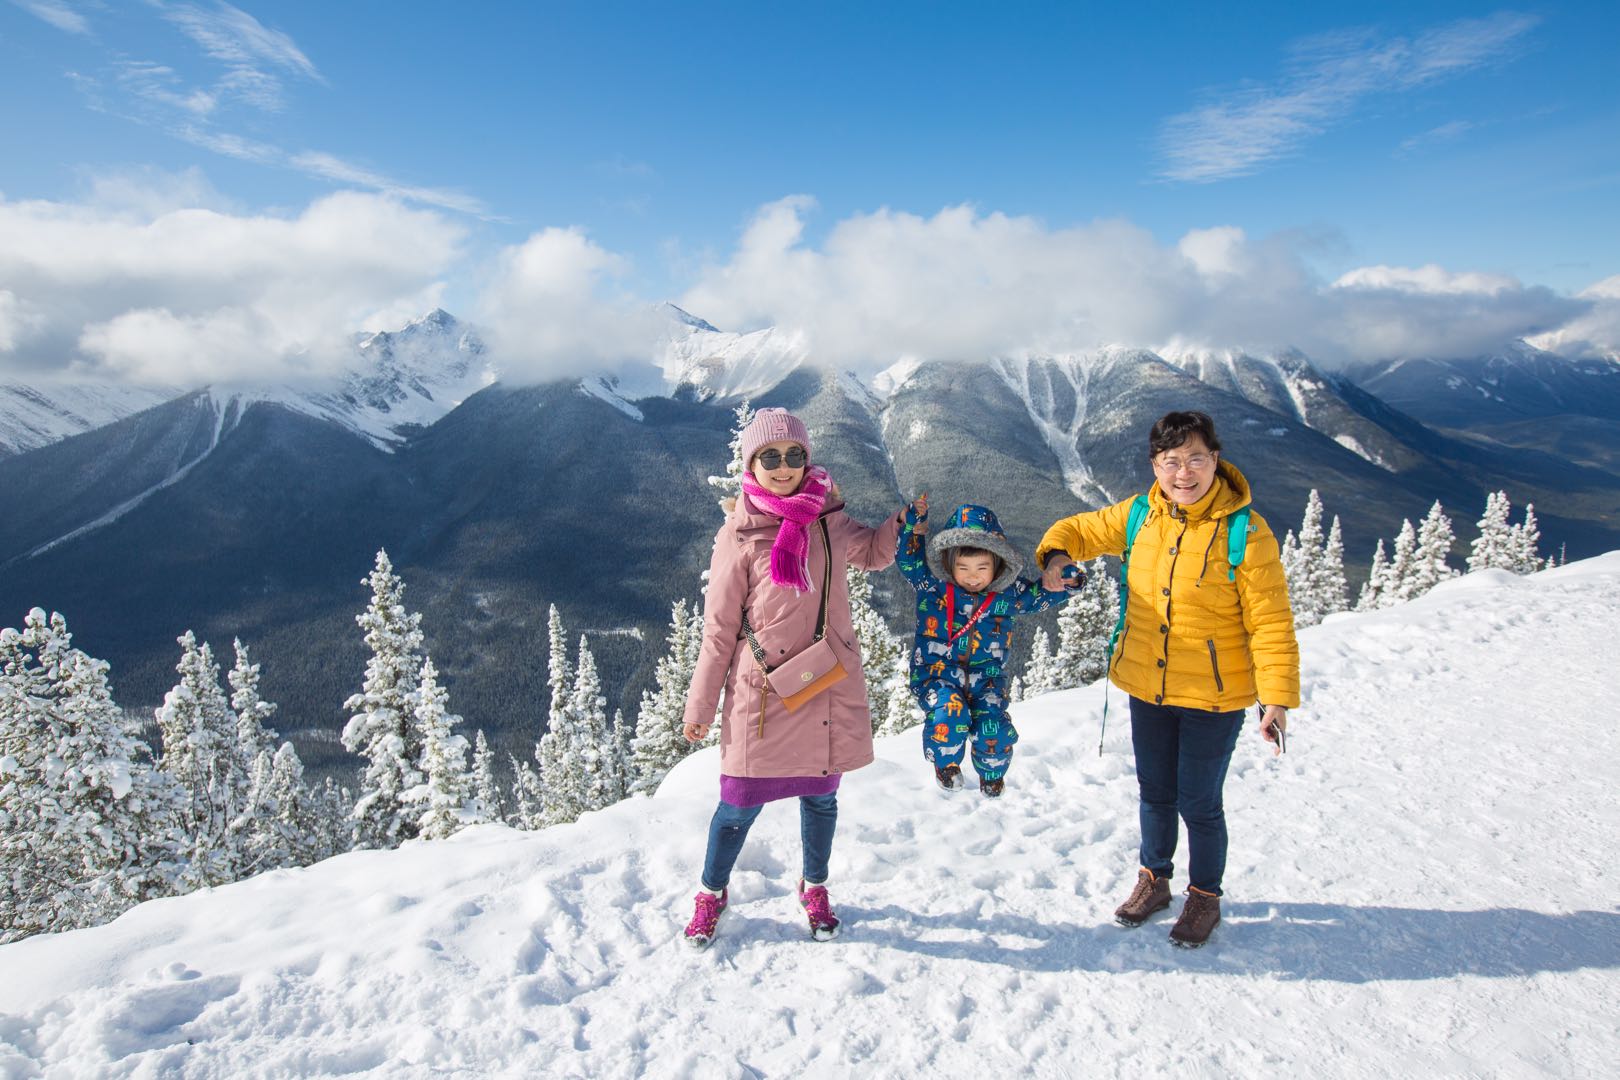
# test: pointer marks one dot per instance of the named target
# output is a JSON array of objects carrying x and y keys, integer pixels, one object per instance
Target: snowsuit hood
[{"x": 975, "y": 526}]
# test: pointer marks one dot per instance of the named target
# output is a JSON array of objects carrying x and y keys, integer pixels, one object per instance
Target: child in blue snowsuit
[{"x": 968, "y": 592}]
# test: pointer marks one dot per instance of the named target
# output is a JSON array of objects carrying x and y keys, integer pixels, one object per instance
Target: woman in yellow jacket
[{"x": 1202, "y": 641}]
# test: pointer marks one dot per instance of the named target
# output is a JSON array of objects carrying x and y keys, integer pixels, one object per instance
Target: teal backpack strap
[
  {"x": 1140, "y": 508},
  {"x": 1237, "y": 541}
]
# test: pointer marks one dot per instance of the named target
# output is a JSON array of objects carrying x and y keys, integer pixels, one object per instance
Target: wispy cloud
[
  {"x": 58, "y": 14},
  {"x": 1444, "y": 133},
  {"x": 1238, "y": 132},
  {"x": 254, "y": 55},
  {"x": 316, "y": 163}
]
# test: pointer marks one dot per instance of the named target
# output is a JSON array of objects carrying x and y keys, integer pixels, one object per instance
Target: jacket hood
[
  {"x": 975, "y": 526},
  {"x": 1227, "y": 495}
]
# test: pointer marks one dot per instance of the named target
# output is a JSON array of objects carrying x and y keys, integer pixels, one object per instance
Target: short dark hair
[
  {"x": 1175, "y": 428},
  {"x": 950, "y": 555}
]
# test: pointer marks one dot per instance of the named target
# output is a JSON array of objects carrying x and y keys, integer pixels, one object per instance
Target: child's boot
[
  {"x": 949, "y": 777},
  {"x": 823, "y": 923},
  {"x": 706, "y": 910},
  {"x": 991, "y": 789}
]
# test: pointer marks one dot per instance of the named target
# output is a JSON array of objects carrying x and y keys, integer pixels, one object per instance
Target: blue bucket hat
[{"x": 976, "y": 527}]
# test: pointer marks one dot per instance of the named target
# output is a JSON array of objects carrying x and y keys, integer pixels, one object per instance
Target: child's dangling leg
[
  {"x": 993, "y": 733},
  {"x": 945, "y": 729}
]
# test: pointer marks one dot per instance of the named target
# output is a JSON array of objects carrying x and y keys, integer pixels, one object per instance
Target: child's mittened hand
[
  {"x": 917, "y": 512},
  {"x": 1074, "y": 578}
]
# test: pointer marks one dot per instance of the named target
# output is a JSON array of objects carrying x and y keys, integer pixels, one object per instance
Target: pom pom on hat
[{"x": 772, "y": 425}]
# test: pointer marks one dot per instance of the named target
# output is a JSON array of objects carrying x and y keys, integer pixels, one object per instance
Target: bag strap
[
  {"x": 821, "y": 615},
  {"x": 1237, "y": 541},
  {"x": 1133, "y": 525}
]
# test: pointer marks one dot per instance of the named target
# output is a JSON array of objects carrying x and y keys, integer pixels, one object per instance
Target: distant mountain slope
[
  {"x": 977, "y": 934},
  {"x": 38, "y": 414}
]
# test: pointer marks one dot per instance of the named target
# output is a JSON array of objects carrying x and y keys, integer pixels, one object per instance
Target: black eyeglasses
[{"x": 772, "y": 459}]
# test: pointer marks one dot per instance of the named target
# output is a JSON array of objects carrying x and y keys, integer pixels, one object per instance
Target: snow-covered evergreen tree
[
  {"x": 87, "y": 826},
  {"x": 442, "y": 799},
  {"x": 900, "y": 709},
  {"x": 253, "y": 733},
  {"x": 1429, "y": 561},
  {"x": 595, "y": 780},
  {"x": 1492, "y": 549},
  {"x": 882, "y": 657},
  {"x": 1041, "y": 674},
  {"x": 528, "y": 801},
  {"x": 1400, "y": 578},
  {"x": 282, "y": 825},
  {"x": 560, "y": 798},
  {"x": 380, "y": 727},
  {"x": 730, "y": 485},
  {"x": 659, "y": 744},
  {"x": 1085, "y": 624},
  {"x": 1377, "y": 585},
  {"x": 201, "y": 753},
  {"x": 485, "y": 788},
  {"x": 334, "y": 819},
  {"x": 1525, "y": 538},
  {"x": 1331, "y": 587}
]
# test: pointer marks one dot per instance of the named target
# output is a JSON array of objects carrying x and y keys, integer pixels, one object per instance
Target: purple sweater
[{"x": 759, "y": 790}]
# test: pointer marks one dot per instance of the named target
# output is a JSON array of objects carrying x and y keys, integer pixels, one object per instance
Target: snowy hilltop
[{"x": 1416, "y": 888}]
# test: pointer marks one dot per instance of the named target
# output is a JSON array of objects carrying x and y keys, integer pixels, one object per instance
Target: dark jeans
[
  {"x": 818, "y": 817},
  {"x": 1181, "y": 760}
]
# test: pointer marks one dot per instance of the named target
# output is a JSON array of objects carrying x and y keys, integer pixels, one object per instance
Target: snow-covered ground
[{"x": 1423, "y": 886}]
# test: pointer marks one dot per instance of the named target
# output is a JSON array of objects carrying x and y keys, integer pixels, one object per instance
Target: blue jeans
[
  {"x": 818, "y": 817},
  {"x": 1181, "y": 760}
]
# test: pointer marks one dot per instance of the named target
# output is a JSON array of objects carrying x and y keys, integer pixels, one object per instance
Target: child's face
[
  {"x": 974, "y": 572},
  {"x": 784, "y": 479}
]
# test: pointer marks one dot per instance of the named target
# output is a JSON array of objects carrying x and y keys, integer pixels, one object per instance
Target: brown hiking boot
[
  {"x": 1198, "y": 917},
  {"x": 1151, "y": 894}
]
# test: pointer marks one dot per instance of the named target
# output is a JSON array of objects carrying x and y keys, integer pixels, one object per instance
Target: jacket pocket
[{"x": 1215, "y": 665}]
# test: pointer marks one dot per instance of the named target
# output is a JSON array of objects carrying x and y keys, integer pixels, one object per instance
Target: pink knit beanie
[{"x": 772, "y": 425}]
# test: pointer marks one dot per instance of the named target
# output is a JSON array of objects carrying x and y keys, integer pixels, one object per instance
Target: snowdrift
[{"x": 1419, "y": 887}]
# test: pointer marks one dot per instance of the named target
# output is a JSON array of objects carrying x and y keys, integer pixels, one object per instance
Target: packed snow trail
[{"x": 1423, "y": 885}]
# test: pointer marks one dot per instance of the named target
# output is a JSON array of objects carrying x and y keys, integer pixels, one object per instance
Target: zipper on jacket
[
  {"x": 764, "y": 692},
  {"x": 1215, "y": 665},
  {"x": 1164, "y": 672}
]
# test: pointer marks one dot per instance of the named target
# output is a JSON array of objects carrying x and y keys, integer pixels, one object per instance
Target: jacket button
[
  {"x": 1161, "y": 663},
  {"x": 824, "y": 723},
  {"x": 1165, "y": 591},
  {"x": 1158, "y": 699},
  {"x": 823, "y": 772},
  {"x": 1164, "y": 629},
  {"x": 779, "y": 652},
  {"x": 1172, "y": 551}
]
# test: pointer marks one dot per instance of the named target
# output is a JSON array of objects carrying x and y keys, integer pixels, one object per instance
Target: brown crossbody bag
[{"x": 810, "y": 671}]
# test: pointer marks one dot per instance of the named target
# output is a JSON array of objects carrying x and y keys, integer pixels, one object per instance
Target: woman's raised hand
[
  {"x": 1052, "y": 579},
  {"x": 695, "y": 733},
  {"x": 919, "y": 508}
]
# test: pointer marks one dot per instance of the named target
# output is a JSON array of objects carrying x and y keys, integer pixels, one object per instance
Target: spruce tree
[
  {"x": 1040, "y": 671},
  {"x": 1331, "y": 588},
  {"x": 556, "y": 752},
  {"x": 1372, "y": 593},
  {"x": 730, "y": 485},
  {"x": 380, "y": 728},
  {"x": 253, "y": 735},
  {"x": 1492, "y": 549},
  {"x": 881, "y": 654},
  {"x": 1429, "y": 562},
  {"x": 88, "y": 827},
  {"x": 900, "y": 709},
  {"x": 442, "y": 798},
  {"x": 1524, "y": 540},
  {"x": 594, "y": 777},
  {"x": 528, "y": 802},
  {"x": 201, "y": 753},
  {"x": 659, "y": 744},
  {"x": 1085, "y": 624},
  {"x": 1402, "y": 578},
  {"x": 485, "y": 789}
]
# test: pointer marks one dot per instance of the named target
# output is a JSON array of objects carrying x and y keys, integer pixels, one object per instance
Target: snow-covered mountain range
[
  {"x": 254, "y": 511},
  {"x": 1410, "y": 892}
]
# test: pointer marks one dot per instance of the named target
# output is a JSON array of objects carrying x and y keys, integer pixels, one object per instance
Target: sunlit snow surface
[{"x": 1423, "y": 886}]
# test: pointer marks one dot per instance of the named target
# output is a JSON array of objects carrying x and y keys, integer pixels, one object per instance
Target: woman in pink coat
[{"x": 771, "y": 558}]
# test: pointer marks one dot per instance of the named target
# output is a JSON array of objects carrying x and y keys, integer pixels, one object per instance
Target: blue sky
[{"x": 1482, "y": 143}]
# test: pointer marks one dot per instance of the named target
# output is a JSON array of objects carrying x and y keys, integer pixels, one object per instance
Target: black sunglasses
[{"x": 772, "y": 459}]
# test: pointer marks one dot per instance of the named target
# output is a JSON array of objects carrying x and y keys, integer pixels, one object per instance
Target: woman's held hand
[
  {"x": 695, "y": 733},
  {"x": 1052, "y": 575}
]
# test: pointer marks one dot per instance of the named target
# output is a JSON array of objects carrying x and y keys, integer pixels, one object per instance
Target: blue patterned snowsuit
[{"x": 962, "y": 685}]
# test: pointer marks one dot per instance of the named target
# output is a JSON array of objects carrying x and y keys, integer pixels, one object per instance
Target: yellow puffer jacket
[{"x": 1192, "y": 637}]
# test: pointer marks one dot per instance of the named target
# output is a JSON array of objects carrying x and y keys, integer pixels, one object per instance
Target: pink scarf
[{"x": 790, "y": 554}]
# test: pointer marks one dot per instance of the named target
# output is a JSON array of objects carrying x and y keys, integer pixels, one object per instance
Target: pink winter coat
[{"x": 832, "y": 732}]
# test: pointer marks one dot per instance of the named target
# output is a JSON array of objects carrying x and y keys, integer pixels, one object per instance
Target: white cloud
[
  {"x": 136, "y": 288},
  {"x": 552, "y": 306},
  {"x": 1594, "y": 332},
  {"x": 324, "y": 165},
  {"x": 250, "y": 51},
  {"x": 1239, "y": 132},
  {"x": 967, "y": 285},
  {"x": 58, "y": 14}
]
